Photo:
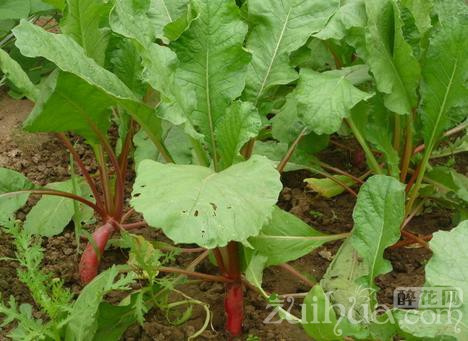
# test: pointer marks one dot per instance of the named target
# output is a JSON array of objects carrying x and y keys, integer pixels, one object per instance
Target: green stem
[{"x": 374, "y": 165}]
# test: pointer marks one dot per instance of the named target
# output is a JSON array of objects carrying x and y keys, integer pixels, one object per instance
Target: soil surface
[{"x": 42, "y": 159}]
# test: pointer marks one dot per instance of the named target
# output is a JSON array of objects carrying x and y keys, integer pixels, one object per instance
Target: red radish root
[{"x": 90, "y": 260}]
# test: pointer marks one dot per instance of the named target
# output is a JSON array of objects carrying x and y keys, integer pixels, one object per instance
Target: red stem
[
  {"x": 448, "y": 133},
  {"x": 297, "y": 274},
  {"x": 82, "y": 167},
  {"x": 234, "y": 298},
  {"x": 56, "y": 193},
  {"x": 205, "y": 277},
  {"x": 342, "y": 172},
  {"x": 123, "y": 165},
  {"x": 120, "y": 185},
  {"x": 134, "y": 225}
]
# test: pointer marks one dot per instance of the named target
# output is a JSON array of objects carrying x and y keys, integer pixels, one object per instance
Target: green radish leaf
[
  {"x": 166, "y": 12},
  {"x": 114, "y": 320},
  {"x": 14, "y": 72},
  {"x": 159, "y": 64},
  {"x": 52, "y": 213},
  {"x": 286, "y": 125},
  {"x": 177, "y": 143},
  {"x": 448, "y": 10},
  {"x": 452, "y": 180},
  {"x": 334, "y": 97},
  {"x": 378, "y": 215},
  {"x": 64, "y": 93},
  {"x": 276, "y": 151},
  {"x": 327, "y": 187},
  {"x": 82, "y": 322},
  {"x": 390, "y": 57},
  {"x": 11, "y": 181},
  {"x": 146, "y": 20},
  {"x": 126, "y": 64},
  {"x": 320, "y": 318},
  {"x": 286, "y": 238},
  {"x": 58, "y": 4},
  {"x": 254, "y": 269},
  {"x": 278, "y": 29},
  {"x": 14, "y": 9},
  {"x": 421, "y": 11},
  {"x": 240, "y": 123},
  {"x": 177, "y": 99},
  {"x": 6, "y": 26},
  {"x": 81, "y": 22},
  {"x": 341, "y": 280},
  {"x": 33, "y": 41},
  {"x": 204, "y": 207},
  {"x": 446, "y": 268},
  {"x": 444, "y": 91},
  {"x": 352, "y": 13},
  {"x": 131, "y": 19},
  {"x": 213, "y": 61},
  {"x": 379, "y": 131},
  {"x": 62, "y": 50}
]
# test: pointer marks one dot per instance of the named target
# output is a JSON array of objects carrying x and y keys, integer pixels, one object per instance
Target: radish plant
[
  {"x": 84, "y": 98},
  {"x": 395, "y": 78},
  {"x": 220, "y": 99}
]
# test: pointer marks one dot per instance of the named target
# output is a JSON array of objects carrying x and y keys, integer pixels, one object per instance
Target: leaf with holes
[{"x": 193, "y": 204}]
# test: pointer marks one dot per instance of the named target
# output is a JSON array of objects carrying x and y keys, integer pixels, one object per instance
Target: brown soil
[{"x": 42, "y": 159}]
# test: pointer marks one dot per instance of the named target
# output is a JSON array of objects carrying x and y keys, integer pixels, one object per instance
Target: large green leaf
[
  {"x": 390, "y": 57},
  {"x": 82, "y": 323},
  {"x": 62, "y": 50},
  {"x": 379, "y": 130},
  {"x": 146, "y": 20},
  {"x": 320, "y": 318},
  {"x": 17, "y": 76},
  {"x": 341, "y": 280},
  {"x": 445, "y": 71},
  {"x": 177, "y": 143},
  {"x": 14, "y": 9},
  {"x": 287, "y": 238},
  {"x": 52, "y": 213},
  {"x": 33, "y": 41},
  {"x": 81, "y": 22},
  {"x": 378, "y": 215},
  {"x": 193, "y": 204},
  {"x": 352, "y": 13},
  {"x": 446, "y": 268},
  {"x": 213, "y": 61},
  {"x": 130, "y": 19},
  {"x": 240, "y": 123},
  {"x": 421, "y": 11},
  {"x": 164, "y": 12},
  {"x": 126, "y": 63},
  {"x": 11, "y": 181},
  {"x": 279, "y": 28},
  {"x": 177, "y": 99},
  {"x": 64, "y": 93},
  {"x": 58, "y": 4},
  {"x": 333, "y": 98}
]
